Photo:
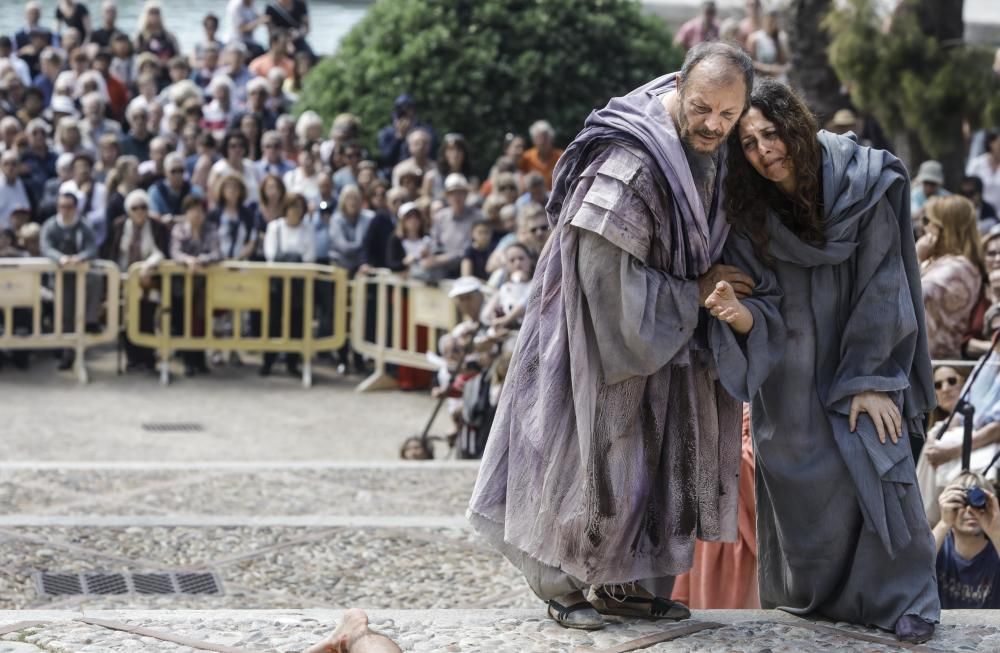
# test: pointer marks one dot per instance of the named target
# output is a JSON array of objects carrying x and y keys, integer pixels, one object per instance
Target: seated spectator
[
  {"x": 194, "y": 242},
  {"x": 275, "y": 57},
  {"x": 236, "y": 222},
  {"x": 504, "y": 311},
  {"x": 418, "y": 142},
  {"x": 971, "y": 188},
  {"x": 219, "y": 113},
  {"x": 257, "y": 95},
  {"x": 167, "y": 195},
  {"x": 928, "y": 183},
  {"x": 38, "y": 160},
  {"x": 136, "y": 238},
  {"x": 295, "y": 83},
  {"x": 392, "y": 139},
  {"x": 347, "y": 174},
  {"x": 249, "y": 125},
  {"x": 536, "y": 191},
  {"x": 68, "y": 240},
  {"x": 986, "y": 166},
  {"x": 108, "y": 153},
  {"x": 137, "y": 141},
  {"x": 122, "y": 180},
  {"x": 414, "y": 448},
  {"x": 288, "y": 240},
  {"x": 509, "y": 161},
  {"x": 952, "y": 272},
  {"x": 348, "y": 229},
  {"x": 309, "y": 128},
  {"x": 948, "y": 383},
  {"x": 968, "y": 568},
  {"x": 543, "y": 156},
  {"x": 467, "y": 293},
  {"x": 410, "y": 180},
  {"x": 478, "y": 252},
  {"x": 354, "y": 636},
  {"x": 410, "y": 244},
  {"x": 452, "y": 229}
]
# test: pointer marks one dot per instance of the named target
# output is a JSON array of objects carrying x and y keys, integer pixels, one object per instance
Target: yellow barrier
[
  {"x": 34, "y": 295},
  {"x": 390, "y": 333},
  {"x": 237, "y": 288}
]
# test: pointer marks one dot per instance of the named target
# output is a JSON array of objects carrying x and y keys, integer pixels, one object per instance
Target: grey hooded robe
[{"x": 840, "y": 526}]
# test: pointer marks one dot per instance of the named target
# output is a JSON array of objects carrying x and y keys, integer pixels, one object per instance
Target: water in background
[{"x": 330, "y": 20}]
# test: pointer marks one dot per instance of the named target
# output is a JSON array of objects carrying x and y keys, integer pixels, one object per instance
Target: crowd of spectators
[{"x": 118, "y": 145}]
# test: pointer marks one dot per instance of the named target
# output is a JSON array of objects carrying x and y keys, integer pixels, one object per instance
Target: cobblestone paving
[{"x": 511, "y": 631}]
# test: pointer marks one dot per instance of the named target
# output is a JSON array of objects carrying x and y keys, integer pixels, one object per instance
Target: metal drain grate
[
  {"x": 164, "y": 427},
  {"x": 104, "y": 583}
]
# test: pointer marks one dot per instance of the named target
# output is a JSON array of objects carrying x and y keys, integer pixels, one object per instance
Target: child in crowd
[{"x": 478, "y": 252}]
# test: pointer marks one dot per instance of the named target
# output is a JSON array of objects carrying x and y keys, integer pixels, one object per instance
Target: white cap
[
  {"x": 456, "y": 181},
  {"x": 464, "y": 285},
  {"x": 406, "y": 208}
]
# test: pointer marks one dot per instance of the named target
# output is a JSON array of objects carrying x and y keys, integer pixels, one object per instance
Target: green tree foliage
[
  {"x": 484, "y": 67},
  {"x": 914, "y": 84}
]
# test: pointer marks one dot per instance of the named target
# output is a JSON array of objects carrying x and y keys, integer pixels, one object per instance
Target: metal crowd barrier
[
  {"x": 396, "y": 321},
  {"x": 247, "y": 293},
  {"x": 35, "y": 295}
]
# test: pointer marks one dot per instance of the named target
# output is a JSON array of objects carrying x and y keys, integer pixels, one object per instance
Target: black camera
[{"x": 975, "y": 497}]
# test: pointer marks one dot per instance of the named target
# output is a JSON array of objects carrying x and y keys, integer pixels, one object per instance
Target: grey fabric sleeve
[{"x": 640, "y": 316}]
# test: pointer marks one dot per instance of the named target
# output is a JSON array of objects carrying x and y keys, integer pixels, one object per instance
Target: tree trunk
[{"x": 811, "y": 72}]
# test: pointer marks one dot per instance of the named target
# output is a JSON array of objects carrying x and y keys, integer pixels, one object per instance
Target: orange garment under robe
[{"x": 724, "y": 575}]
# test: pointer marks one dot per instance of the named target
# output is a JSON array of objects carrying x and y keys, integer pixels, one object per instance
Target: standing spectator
[
  {"x": 454, "y": 158},
  {"x": 704, "y": 27},
  {"x": 153, "y": 36},
  {"x": 971, "y": 188},
  {"x": 392, "y": 143},
  {"x": 123, "y": 59},
  {"x": 234, "y": 67},
  {"x": 91, "y": 196},
  {"x": 38, "y": 159},
  {"x": 275, "y": 57},
  {"x": 210, "y": 23},
  {"x": 218, "y": 114},
  {"x": 986, "y": 166},
  {"x": 533, "y": 228},
  {"x": 291, "y": 16},
  {"x": 109, "y": 17},
  {"x": 347, "y": 174},
  {"x": 194, "y": 242},
  {"x": 243, "y": 21},
  {"x": 51, "y": 65},
  {"x": 122, "y": 180},
  {"x": 117, "y": 91},
  {"x": 67, "y": 240},
  {"x": 304, "y": 179},
  {"x": 272, "y": 200},
  {"x": 288, "y": 240},
  {"x": 968, "y": 567},
  {"x": 418, "y": 142},
  {"x": 135, "y": 238},
  {"x": 137, "y": 141},
  {"x": 348, "y": 229},
  {"x": 94, "y": 124},
  {"x": 249, "y": 126},
  {"x": 380, "y": 230},
  {"x": 238, "y": 234},
  {"x": 768, "y": 47},
  {"x": 166, "y": 196},
  {"x": 22, "y": 38},
  {"x": 13, "y": 191},
  {"x": 70, "y": 14},
  {"x": 543, "y": 156},
  {"x": 257, "y": 94},
  {"x": 273, "y": 162},
  {"x": 952, "y": 272},
  {"x": 452, "y": 229},
  {"x": 928, "y": 183},
  {"x": 410, "y": 244},
  {"x": 234, "y": 161}
]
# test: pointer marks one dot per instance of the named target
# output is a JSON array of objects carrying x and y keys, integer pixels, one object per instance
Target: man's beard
[{"x": 687, "y": 135}]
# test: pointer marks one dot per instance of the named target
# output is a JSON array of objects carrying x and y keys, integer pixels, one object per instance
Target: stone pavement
[{"x": 293, "y": 500}]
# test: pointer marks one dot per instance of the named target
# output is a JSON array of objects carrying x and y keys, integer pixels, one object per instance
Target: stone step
[{"x": 467, "y": 631}]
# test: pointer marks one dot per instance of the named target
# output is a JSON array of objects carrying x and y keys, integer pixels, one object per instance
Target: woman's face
[
  {"x": 455, "y": 157},
  {"x": 993, "y": 254},
  {"x": 995, "y": 148},
  {"x": 411, "y": 224},
  {"x": 231, "y": 193},
  {"x": 139, "y": 212},
  {"x": 271, "y": 191},
  {"x": 314, "y": 132},
  {"x": 763, "y": 149},
  {"x": 293, "y": 216},
  {"x": 352, "y": 203},
  {"x": 132, "y": 175},
  {"x": 236, "y": 150},
  {"x": 947, "y": 387},
  {"x": 515, "y": 149},
  {"x": 248, "y": 126}
]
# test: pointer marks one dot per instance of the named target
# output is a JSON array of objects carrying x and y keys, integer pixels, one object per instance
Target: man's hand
[
  {"x": 938, "y": 453},
  {"x": 741, "y": 283},
  {"x": 989, "y": 517},
  {"x": 951, "y": 502},
  {"x": 883, "y": 412}
]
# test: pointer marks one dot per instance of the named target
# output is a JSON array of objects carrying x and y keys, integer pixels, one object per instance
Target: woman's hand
[
  {"x": 883, "y": 412},
  {"x": 724, "y": 305},
  {"x": 938, "y": 453}
]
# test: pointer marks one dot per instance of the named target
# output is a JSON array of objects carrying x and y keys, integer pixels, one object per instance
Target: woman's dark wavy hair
[{"x": 749, "y": 195}]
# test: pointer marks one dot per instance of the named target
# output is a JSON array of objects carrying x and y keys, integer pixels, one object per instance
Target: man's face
[
  {"x": 456, "y": 200},
  {"x": 32, "y": 14},
  {"x": 930, "y": 188},
  {"x": 536, "y": 232},
  {"x": 81, "y": 171},
  {"x": 967, "y": 523},
  {"x": 470, "y": 304},
  {"x": 420, "y": 144},
  {"x": 969, "y": 191},
  {"x": 66, "y": 208},
  {"x": 8, "y": 164},
  {"x": 110, "y": 15},
  {"x": 707, "y": 108}
]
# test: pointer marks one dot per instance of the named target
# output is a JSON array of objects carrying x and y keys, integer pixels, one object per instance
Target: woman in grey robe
[{"x": 840, "y": 531}]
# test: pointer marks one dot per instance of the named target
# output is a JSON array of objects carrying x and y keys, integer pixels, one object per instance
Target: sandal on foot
[
  {"x": 580, "y": 615},
  {"x": 638, "y": 606},
  {"x": 913, "y": 629}
]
